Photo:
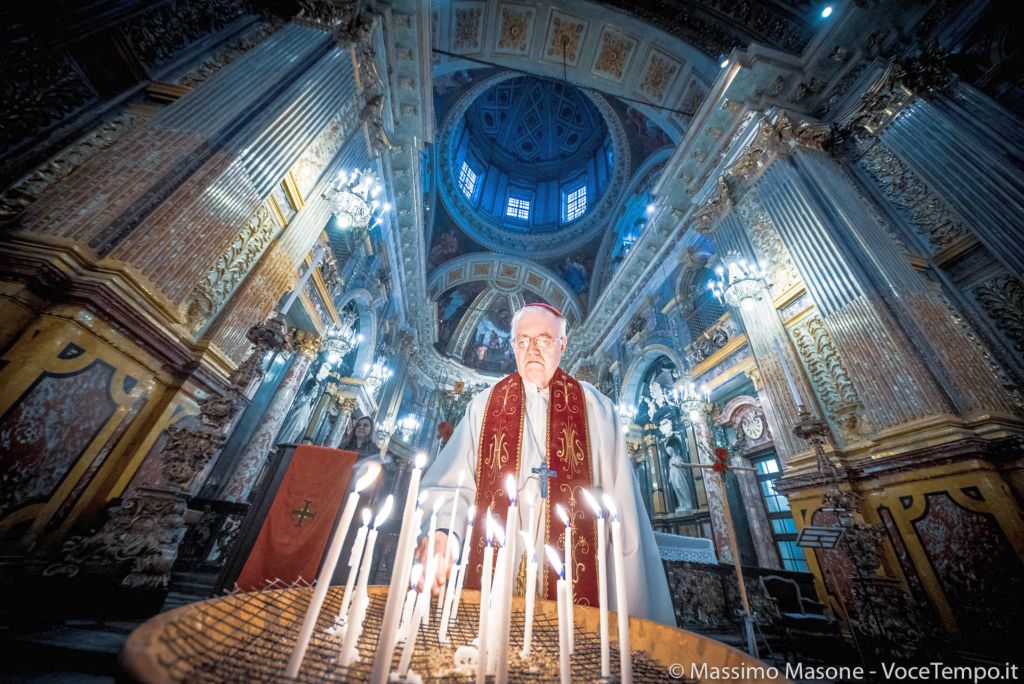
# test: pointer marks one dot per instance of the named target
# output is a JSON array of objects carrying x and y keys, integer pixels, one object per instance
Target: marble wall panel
[{"x": 48, "y": 428}]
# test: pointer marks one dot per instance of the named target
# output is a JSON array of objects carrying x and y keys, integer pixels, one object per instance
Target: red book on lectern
[{"x": 298, "y": 526}]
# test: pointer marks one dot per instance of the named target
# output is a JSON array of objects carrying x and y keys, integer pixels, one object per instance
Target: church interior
[{"x": 787, "y": 236}]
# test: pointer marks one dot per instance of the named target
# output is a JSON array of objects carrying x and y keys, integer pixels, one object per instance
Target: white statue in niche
[{"x": 677, "y": 467}]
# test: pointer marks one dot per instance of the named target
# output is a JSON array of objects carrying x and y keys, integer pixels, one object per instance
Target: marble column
[
  {"x": 346, "y": 405},
  {"x": 970, "y": 151},
  {"x": 957, "y": 364},
  {"x": 760, "y": 528},
  {"x": 254, "y": 456},
  {"x": 704, "y": 441},
  {"x": 891, "y": 379}
]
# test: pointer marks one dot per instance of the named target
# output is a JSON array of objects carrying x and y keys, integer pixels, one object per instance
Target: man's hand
[{"x": 443, "y": 564}]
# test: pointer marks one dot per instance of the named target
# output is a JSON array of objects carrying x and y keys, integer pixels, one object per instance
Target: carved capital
[
  {"x": 347, "y": 405},
  {"x": 305, "y": 343},
  {"x": 719, "y": 204}
]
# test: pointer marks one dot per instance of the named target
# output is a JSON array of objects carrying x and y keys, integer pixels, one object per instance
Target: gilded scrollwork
[
  {"x": 232, "y": 266},
  {"x": 26, "y": 191},
  {"x": 772, "y": 254},
  {"x": 158, "y": 36},
  {"x": 925, "y": 210},
  {"x": 822, "y": 361}
]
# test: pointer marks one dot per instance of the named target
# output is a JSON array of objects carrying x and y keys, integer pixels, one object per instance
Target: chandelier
[
  {"x": 627, "y": 414},
  {"x": 353, "y": 198},
  {"x": 339, "y": 340},
  {"x": 376, "y": 374},
  {"x": 737, "y": 281},
  {"x": 407, "y": 426},
  {"x": 692, "y": 403}
]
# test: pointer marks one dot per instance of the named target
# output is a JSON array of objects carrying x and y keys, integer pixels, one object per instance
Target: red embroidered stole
[{"x": 568, "y": 449}]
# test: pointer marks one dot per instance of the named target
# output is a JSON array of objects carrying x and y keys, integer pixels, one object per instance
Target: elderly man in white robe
[{"x": 529, "y": 424}]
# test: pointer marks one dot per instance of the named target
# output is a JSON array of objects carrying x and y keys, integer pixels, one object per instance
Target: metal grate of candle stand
[{"x": 249, "y": 638}]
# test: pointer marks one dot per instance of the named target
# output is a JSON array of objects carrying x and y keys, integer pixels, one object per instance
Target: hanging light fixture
[
  {"x": 407, "y": 426},
  {"x": 692, "y": 403},
  {"x": 354, "y": 199},
  {"x": 375, "y": 376},
  {"x": 340, "y": 339},
  {"x": 737, "y": 281}
]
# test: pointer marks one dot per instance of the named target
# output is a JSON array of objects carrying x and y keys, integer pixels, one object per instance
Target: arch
[
  {"x": 501, "y": 271},
  {"x": 639, "y": 366},
  {"x": 729, "y": 411}
]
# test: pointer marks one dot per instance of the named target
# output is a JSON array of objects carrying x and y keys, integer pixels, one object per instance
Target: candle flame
[
  {"x": 472, "y": 514},
  {"x": 368, "y": 476},
  {"x": 489, "y": 524},
  {"x": 385, "y": 511},
  {"x": 499, "y": 533},
  {"x": 528, "y": 545},
  {"x": 555, "y": 561},
  {"x": 414, "y": 578},
  {"x": 592, "y": 502},
  {"x": 455, "y": 548},
  {"x": 609, "y": 503},
  {"x": 422, "y": 499},
  {"x": 421, "y": 460},
  {"x": 366, "y": 516},
  {"x": 562, "y": 514},
  {"x": 510, "y": 489}
]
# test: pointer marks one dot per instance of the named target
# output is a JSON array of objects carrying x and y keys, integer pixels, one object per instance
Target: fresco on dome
[
  {"x": 645, "y": 136},
  {"x": 452, "y": 305},
  {"x": 490, "y": 350},
  {"x": 575, "y": 270},
  {"x": 449, "y": 242}
]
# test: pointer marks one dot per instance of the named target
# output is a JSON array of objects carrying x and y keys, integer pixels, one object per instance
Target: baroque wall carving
[
  {"x": 772, "y": 254},
  {"x": 231, "y": 268},
  {"x": 158, "y": 36},
  {"x": 39, "y": 91},
  {"x": 831, "y": 379},
  {"x": 30, "y": 188},
  {"x": 229, "y": 53},
  {"x": 1002, "y": 299},
  {"x": 925, "y": 210}
]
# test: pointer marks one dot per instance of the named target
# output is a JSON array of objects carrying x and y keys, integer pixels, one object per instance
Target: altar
[{"x": 249, "y": 636}]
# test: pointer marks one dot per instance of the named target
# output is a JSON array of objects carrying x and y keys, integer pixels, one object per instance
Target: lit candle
[
  {"x": 392, "y": 610},
  {"x": 494, "y": 606},
  {"x": 564, "y": 668},
  {"x": 353, "y": 564},
  {"x": 621, "y": 598},
  {"x": 354, "y": 623},
  {"x": 531, "y": 542},
  {"x": 511, "y": 564},
  {"x": 602, "y": 584},
  {"x": 569, "y": 574},
  {"x": 463, "y": 558},
  {"x": 449, "y": 598},
  {"x": 323, "y": 580},
  {"x": 442, "y": 598},
  {"x": 422, "y": 606},
  {"x": 410, "y": 601},
  {"x": 431, "y": 572},
  {"x": 485, "y": 596},
  {"x": 788, "y": 372},
  {"x": 531, "y": 592}
]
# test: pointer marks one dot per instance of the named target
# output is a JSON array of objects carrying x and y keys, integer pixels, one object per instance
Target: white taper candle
[{"x": 323, "y": 580}]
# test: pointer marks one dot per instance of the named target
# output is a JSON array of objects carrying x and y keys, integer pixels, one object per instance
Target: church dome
[{"x": 530, "y": 165}]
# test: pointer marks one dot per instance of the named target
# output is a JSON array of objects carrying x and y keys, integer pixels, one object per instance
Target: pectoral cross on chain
[{"x": 543, "y": 472}]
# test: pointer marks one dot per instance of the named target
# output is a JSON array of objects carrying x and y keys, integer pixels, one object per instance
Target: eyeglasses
[{"x": 544, "y": 342}]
